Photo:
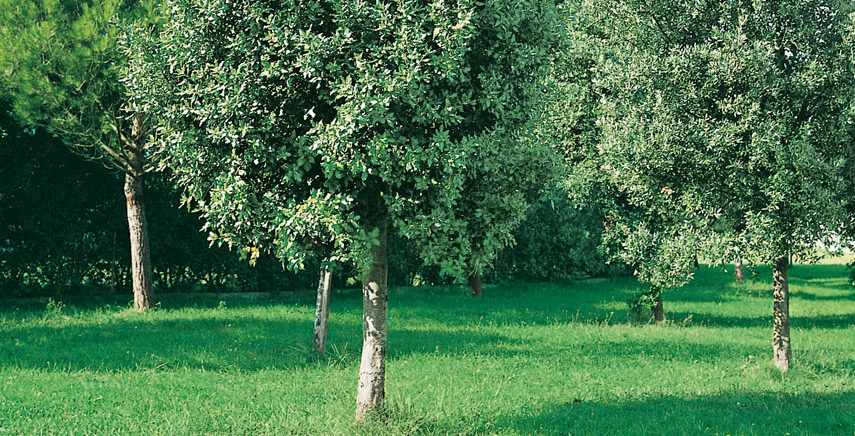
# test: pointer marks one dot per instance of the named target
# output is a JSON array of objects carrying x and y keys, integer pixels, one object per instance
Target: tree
[
  {"x": 739, "y": 112},
  {"x": 493, "y": 203},
  {"x": 559, "y": 238},
  {"x": 62, "y": 66},
  {"x": 635, "y": 228},
  {"x": 294, "y": 125},
  {"x": 322, "y": 309},
  {"x": 738, "y": 269}
]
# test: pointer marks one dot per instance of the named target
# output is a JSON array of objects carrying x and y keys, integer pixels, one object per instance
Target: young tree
[
  {"x": 738, "y": 269},
  {"x": 740, "y": 110},
  {"x": 492, "y": 204},
  {"x": 298, "y": 124},
  {"x": 639, "y": 229},
  {"x": 62, "y": 66},
  {"x": 322, "y": 309}
]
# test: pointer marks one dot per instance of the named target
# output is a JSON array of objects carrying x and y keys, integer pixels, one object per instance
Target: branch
[
  {"x": 122, "y": 160},
  {"x": 121, "y": 136}
]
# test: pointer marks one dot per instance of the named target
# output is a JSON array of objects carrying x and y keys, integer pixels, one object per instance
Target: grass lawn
[{"x": 526, "y": 359}]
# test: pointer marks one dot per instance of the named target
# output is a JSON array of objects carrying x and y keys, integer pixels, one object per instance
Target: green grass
[{"x": 526, "y": 359}]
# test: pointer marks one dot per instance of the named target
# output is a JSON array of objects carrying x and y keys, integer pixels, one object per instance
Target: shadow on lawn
[
  {"x": 212, "y": 344},
  {"x": 586, "y": 351},
  {"x": 248, "y": 344},
  {"x": 815, "y": 297},
  {"x": 451, "y": 322},
  {"x": 812, "y": 322},
  {"x": 223, "y": 343},
  {"x": 738, "y": 413},
  {"x": 726, "y": 414}
]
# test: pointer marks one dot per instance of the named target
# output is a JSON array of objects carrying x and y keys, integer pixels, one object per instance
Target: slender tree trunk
[
  {"x": 781, "y": 314},
  {"x": 322, "y": 311},
  {"x": 739, "y": 270},
  {"x": 658, "y": 309},
  {"x": 134, "y": 182},
  {"x": 476, "y": 285},
  {"x": 372, "y": 369}
]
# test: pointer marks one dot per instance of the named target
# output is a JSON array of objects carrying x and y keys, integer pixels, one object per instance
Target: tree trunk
[
  {"x": 476, "y": 285},
  {"x": 372, "y": 369},
  {"x": 658, "y": 309},
  {"x": 739, "y": 270},
  {"x": 140, "y": 262},
  {"x": 781, "y": 314},
  {"x": 134, "y": 182},
  {"x": 322, "y": 311}
]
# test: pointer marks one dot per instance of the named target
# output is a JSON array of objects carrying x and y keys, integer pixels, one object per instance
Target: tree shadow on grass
[
  {"x": 224, "y": 341},
  {"x": 804, "y": 295},
  {"x": 216, "y": 342},
  {"x": 739, "y": 413},
  {"x": 749, "y": 413},
  {"x": 812, "y": 322},
  {"x": 594, "y": 349},
  {"x": 220, "y": 343},
  {"x": 23, "y": 306}
]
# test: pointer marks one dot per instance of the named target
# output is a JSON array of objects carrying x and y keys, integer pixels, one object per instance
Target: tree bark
[
  {"x": 372, "y": 369},
  {"x": 658, "y": 309},
  {"x": 134, "y": 182},
  {"x": 140, "y": 260},
  {"x": 322, "y": 311},
  {"x": 781, "y": 314},
  {"x": 739, "y": 270},
  {"x": 476, "y": 285}
]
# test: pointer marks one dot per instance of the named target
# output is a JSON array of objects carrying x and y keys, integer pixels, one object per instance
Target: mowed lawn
[{"x": 526, "y": 359}]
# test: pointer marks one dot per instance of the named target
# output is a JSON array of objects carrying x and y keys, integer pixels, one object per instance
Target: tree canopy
[
  {"x": 293, "y": 124},
  {"x": 63, "y": 70},
  {"x": 733, "y": 117}
]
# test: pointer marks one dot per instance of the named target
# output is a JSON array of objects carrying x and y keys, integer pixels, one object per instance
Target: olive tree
[
  {"x": 637, "y": 228},
  {"x": 298, "y": 124},
  {"x": 62, "y": 67},
  {"x": 735, "y": 116},
  {"x": 492, "y": 204}
]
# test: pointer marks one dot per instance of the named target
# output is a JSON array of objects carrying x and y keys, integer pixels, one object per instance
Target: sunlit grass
[{"x": 547, "y": 359}]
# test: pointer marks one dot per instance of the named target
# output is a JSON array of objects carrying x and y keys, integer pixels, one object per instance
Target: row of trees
[{"x": 318, "y": 131}]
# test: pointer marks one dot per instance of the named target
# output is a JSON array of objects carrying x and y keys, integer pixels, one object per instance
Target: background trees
[
  {"x": 62, "y": 227},
  {"x": 734, "y": 115},
  {"x": 63, "y": 69}
]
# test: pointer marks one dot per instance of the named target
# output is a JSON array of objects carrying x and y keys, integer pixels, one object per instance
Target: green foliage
[
  {"x": 286, "y": 122},
  {"x": 557, "y": 239},
  {"x": 62, "y": 68},
  {"x": 652, "y": 241},
  {"x": 496, "y": 197},
  {"x": 526, "y": 359},
  {"x": 729, "y": 117},
  {"x": 407, "y": 268}
]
